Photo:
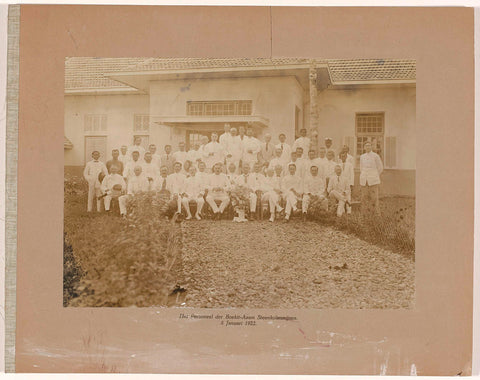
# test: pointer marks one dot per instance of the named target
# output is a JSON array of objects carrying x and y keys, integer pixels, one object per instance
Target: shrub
[{"x": 128, "y": 261}]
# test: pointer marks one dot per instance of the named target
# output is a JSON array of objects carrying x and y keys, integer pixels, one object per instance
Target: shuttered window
[
  {"x": 95, "y": 123},
  {"x": 141, "y": 123},
  {"x": 369, "y": 126},
  {"x": 391, "y": 152}
]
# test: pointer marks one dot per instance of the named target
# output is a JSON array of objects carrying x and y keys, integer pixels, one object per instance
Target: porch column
[{"x": 313, "y": 97}]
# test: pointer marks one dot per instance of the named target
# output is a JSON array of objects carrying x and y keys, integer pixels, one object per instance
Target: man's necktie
[
  {"x": 282, "y": 147},
  {"x": 266, "y": 147},
  {"x": 245, "y": 177},
  {"x": 164, "y": 184}
]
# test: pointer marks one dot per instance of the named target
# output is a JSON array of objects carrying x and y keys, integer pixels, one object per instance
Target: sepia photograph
[{"x": 280, "y": 183}]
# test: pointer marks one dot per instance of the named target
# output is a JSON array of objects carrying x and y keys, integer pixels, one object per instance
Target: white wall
[
  {"x": 337, "y": 110},
  {"x": 120, "y": 110},
  {"x": 273, "y": 98}
]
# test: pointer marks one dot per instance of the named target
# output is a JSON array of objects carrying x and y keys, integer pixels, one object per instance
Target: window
[
  {"x": 141, "y": 123},
  {"x": 369, "y": 126},
  {"x": 95, "y": 123},
  {"x": 220, "y": 108},
  {"x": 93, "y": 143}
]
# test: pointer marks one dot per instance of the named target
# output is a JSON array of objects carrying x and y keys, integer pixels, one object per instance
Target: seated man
[
  {"x": 150, "y": 169},
  {"x": 176, "y": 182},
  {"x": 232, "y": 173},
  {"x": 161, "y": 185},
  {"x": 272, "y": 192},
  {"x": 247, "y": 180},
  {"x": 113, "y": 186},
  {"x": 136, "y": 184},
  {"x": 128, "y": 170},
  {"x": 193, "y": 191},
  {"x": 292, "y": 190},
  {"x": 313, "y": 186},
  {"x": 339, "y": 189},
  {"x": 217, "y": 186}
]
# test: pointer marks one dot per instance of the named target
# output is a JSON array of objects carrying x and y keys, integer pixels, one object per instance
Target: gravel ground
[{"x": 294, "y": 265}]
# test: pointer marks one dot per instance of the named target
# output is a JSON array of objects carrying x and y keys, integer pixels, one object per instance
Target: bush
[
  {"x": 123, "y": 262},
  {"x": 394, "y": 228}
]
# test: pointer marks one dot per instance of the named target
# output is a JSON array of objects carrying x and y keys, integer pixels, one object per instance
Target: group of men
[{"x": 212, "y": 171}]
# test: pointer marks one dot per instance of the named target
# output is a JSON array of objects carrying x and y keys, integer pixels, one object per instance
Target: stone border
[{"x": 11, "y": 185}]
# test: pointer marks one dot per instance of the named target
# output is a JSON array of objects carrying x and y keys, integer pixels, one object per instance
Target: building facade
[{"x": 110, "y": 101}]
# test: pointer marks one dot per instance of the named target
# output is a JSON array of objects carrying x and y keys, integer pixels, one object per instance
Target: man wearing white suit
[
  {"x": 272, "y": 192},
  {"x": 213, "y": 152},
  {"x": 193, "y": 190},
  {"x": 286, "y": 149},
  {"x": 313, "y": 186},
  {"x": 339, "y": 189},
  {"x": 136, "y": 185},
  {"x": 176, "y": 184},
  {"x": 292, "y": 189},
  {"x": 251, "y": 147},
  {"x": 217, "y": 186}
]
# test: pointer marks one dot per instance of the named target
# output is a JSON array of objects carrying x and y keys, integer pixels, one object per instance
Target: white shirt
[
  {"x": 299, "y": 164},
  {"x": 111, "y": 180},
  {"x": 156, "y": 159},
  {"x": 272, "y": 183},
  {"x": 314, "y": 185},
  {"x": 176, "y": 182},
  {"x": 194, "y": 155},
  {"x": 251, "y": 144},
  {"x": 350, "y": 159},
  {"x": 194, "y": 187},
  {"x": 128, "y": 170},
  {"x": 158, "y": 183},
  {"x": 276, "y": 161},
  {"x": 330, "y": 168},
  {"x": 319, "y": 163},
  {"x": 302, "y": 142},
  {"x": 150, "y": 170},
  {"x": 286, "y": 151},
  {"x": 370, "y": 169},
  {"x": 93, "y": 169},
  {"x": 180, "y": 156},
  {"x": 232, "y": 177},
  {"x": 137, "y": 184},
  {"x": 204, "y": 178},
  {"x": 292, "y": 182},
  {"x": 218, "y": 180},
  {"x": 217, "y": 150},
  {"x": 339, "y": 184},
  {"x": 124, "y": 158},
  {"x": 140, "y": 149},
  {"x": 347, "y": 172},
  {"x": 224, "y": 137}
]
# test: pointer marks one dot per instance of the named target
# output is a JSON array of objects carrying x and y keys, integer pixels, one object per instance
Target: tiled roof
[
  {"x": 356, "y": 70},
  {"x": 67, "y": 144},
  {"x": 88, "y": 73}
]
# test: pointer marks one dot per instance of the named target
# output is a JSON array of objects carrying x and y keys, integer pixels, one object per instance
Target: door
[
  {"x": 195, "y": 136},
  {"x": 93, "y": 143}
]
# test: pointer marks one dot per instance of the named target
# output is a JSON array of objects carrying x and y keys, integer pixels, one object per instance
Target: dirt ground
[{"x": 294, "y": 265}]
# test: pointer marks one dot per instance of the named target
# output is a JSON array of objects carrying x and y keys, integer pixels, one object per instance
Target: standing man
[
  {"x": 115, "y": 161},
  {"x": 330, "y": 165},
  {"x": 339, "y": 189},
  {"x": 267, "y": 151},
  {"x": 251, "y": 147},
  {"x": 234, "y": 149},
  {"x": 303, "y": 141},
  {"x": 150, "y": 169},
  {"x": 347, "y": 169},
  {"x": 371, "y": 168},
  {"x": 277, "y": 160},
  {"x": 129, "y": 170},
  {"x": 213, "y": 152},
  {"x": 349, "y": 158},
  {"x": 180, "y": 155},
  {"x": 193, "y": 191},
  {"x": 225, "y": 136},
  {"x": 286, "y": 149},
  {"x": 241, "y": 132},
  {"x": 313, "y": 160},
  {"x": 194, "y": 154},
  {"x": 167, "y": 159},
  {"x": 156, "y": 159},
  {"x": 90, "y": 173},
  {"x": 136, "y": 185},
  {"x": 113, "y": 185},
  {"x": 176, "y": 180},
  {"x": 218, "y": 185},
  {"x": 328, "y": 143},
  {"x": 292, "y": 189},
  {"x": 123, "y": 156},
  {"x": 272, "y": 192},
  {"x": 137, "y": 145},
  {"x": 301, "y": 163},
  {"x": 313, "y": 186}
]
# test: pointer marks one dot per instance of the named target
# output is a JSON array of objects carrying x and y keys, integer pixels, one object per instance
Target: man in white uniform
[
  {"x": 162, "y": 184},
  {"x": 150, "y": 169},
  {"x": 330, "y": 165},
  {"x": 292, "y": 190},
  {"x": 202, "y": 175},
  {"x": 90, "y": 173},
  {"x": 113, "y": 186},
  {"x": 136, "y": 185},
  {"x": 232, "y": 173},
  {"x": 251, "y": 147},
  {"x": 194, "y": 154},
  {"x": 156, "y": 159},
  {"x": 313, "y": 160},
  {"x": 123, "y": 155},
  {"x": 277, "y": 160},
  {"x": 234, "y": 149},
  {"x": 371, "y": 167},
  {"x": 218, "y": 185},
  {"x": 286, "y": 149},
  {"x": 350, "y": 158},
  {"x": 167, "y": 159},
  {"x": 180, "y": 155},
  {"x": 347, "y": 169},
  {"x": 313, "y": 186},
  {"x": 223, "y": 139},
  {"x": 137, "y": 146},
  {"x": 299, "y": 165},
  {"x": 213, "y": 153},
  {"x": 176, "y": 182},
  {"x": 272, "y": 192},
  {"x": 339, "y": 189},
  {"x": 193, "y": 191},
  {"x": 128, "y": 171},
  {"x": 247, "y": 180},
  {"x": 303, "y": 141}
]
